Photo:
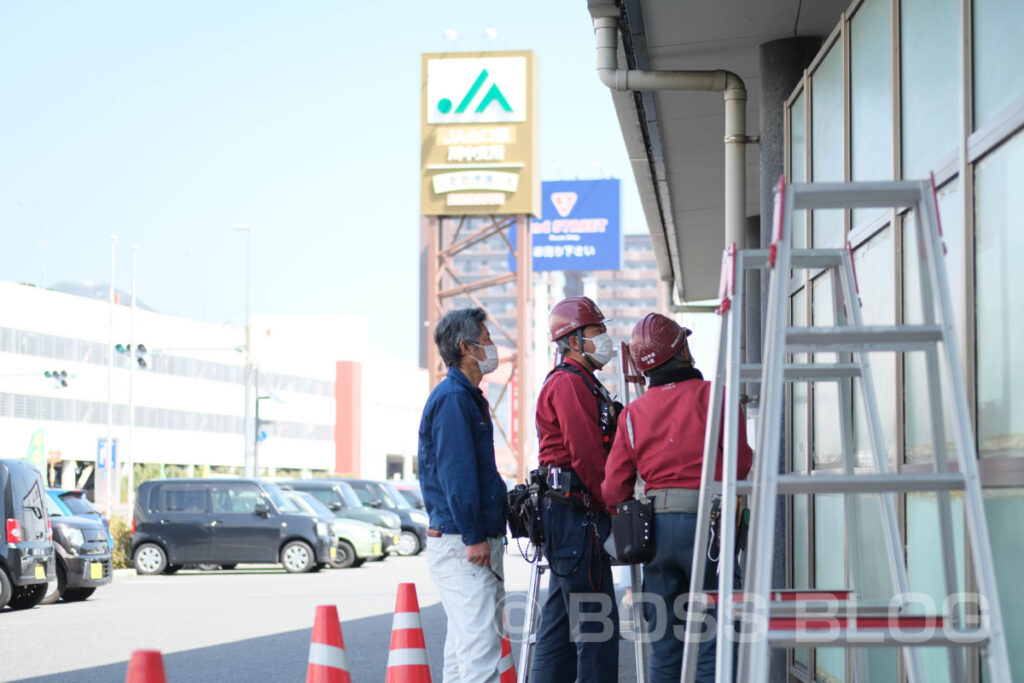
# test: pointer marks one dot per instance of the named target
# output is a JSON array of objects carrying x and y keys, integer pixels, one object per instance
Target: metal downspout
[{"x": 606, "y": 25}]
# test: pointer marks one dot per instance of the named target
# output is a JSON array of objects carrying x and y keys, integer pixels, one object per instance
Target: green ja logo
[{"x": 493, "y": 95}]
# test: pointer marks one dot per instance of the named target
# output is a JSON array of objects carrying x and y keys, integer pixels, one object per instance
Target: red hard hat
[
  {"x": 655, "y": 339},
  {"x": 571, "y": 314}
]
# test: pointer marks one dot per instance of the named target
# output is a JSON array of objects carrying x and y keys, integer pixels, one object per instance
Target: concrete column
[{"x": 782, "y": 64}]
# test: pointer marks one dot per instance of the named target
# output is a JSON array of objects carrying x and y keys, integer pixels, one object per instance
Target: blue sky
[{"x": 167, "y": 122}]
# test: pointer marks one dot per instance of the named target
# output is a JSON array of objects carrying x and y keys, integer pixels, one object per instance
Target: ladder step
[
  {"x": 862, "y": 635},
  {"x": 791, "y": 595},
  {"x": 856, "y": 195},
  {"x": 866, "y": 338},
  {"x": 809, "y": 259},
  {"x": 804, "y": 372},
  {"x": 858, "y": 483}
]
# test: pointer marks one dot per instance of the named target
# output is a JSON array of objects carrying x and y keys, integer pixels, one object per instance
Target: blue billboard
[{"x": 579, "y": 227}]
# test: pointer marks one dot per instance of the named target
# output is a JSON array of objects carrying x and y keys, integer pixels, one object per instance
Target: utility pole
[
  {"x": 131, "y": 393},
  {"x": 248, "y": 428},
  {"x": 108, "y": 449}
]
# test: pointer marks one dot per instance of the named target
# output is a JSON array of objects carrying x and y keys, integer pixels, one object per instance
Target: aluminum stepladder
[
  {"x": 627, "y": 374},
  {"x": 853, "y": 341}
]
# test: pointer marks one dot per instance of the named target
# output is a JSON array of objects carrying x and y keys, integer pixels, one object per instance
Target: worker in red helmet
[
  {"x": 578, "y": 636},
  {"x": 661, "y": 437}
]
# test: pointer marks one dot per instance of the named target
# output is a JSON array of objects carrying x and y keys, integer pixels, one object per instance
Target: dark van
[
  {"x": 225, "y": 522},
  {"x": 26, "y": 557}
]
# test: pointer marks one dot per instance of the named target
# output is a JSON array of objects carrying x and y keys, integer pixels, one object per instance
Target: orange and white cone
[
  {"x": 146, "y": 666},
  {"x": 507, "y": 665},
  {"x": 407, "y": 660},
  {"x": 328, "y": 662}
]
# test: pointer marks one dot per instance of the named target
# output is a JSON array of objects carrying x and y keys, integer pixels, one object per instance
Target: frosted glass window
[
  {"x": 999, "y": 245},
  {"x": 798, "y": 162},
  {"x": 827, "y": 141},
  {"x": 998, "y": 77},
  {"x": 918, "y": 422},
  {"x": 924, "y": 564},
  {"x": 929, "y": 32},
  {"x": 798, "y": 423},
  {"x": 829, "y": 571},
  {"x": 871, "y": 97},
  {"x": 827, "y": 440},
  {"x": 1004, "y": 508},
  {"x": 875, "y": 261}
]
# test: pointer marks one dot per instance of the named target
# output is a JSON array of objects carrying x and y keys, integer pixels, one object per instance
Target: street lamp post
[
  {"x": 108, "y": 449},
  {"x": 249, "y": 427}
]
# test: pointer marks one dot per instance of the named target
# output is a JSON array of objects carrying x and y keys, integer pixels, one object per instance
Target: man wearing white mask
[
  {"x": 465, "y": 498},
  {"x": 578, "y": 637}
]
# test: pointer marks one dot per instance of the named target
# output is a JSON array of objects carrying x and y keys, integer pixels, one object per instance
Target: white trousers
[{"x": 473, "y": 599}]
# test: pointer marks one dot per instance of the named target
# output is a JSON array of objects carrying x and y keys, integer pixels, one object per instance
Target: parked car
[
  {"x": 357, "y": 541},
  {"x": 27, "y": 557},
  {"x": 78, "y": 503},
  {"x": 380, "y": 495},
  {"x": 83, "y": 555},
  {"x": 340, "y": 499},
  {"x": 224, "y": 522},
  {"x": 410, "y": 490}
]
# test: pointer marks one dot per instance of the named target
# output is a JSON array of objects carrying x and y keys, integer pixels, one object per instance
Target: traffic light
[
  {"x": 59, "y": 377},
  {"x": 141, "y": 353}
]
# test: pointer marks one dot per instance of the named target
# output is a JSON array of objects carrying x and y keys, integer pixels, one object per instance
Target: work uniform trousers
[
  {"x": 473, "y": 599},
  {"x": 578, "y": 637},
  {"x": 666, "y": 578}
]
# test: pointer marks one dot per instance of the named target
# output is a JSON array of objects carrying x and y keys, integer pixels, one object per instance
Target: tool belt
[
  {"x": 565, "y": 486},
  {"x": 675, "y": 500}
]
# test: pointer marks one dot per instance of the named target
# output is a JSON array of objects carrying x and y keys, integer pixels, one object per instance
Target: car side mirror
[
  {"x": 262, "y": 510},
  {"x": 375, "y": 503},
  {"x": 335, "y": 506}
]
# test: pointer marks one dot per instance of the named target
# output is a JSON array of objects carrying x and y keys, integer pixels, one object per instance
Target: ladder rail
[
  {"x": 753, "y": 655},
  {"x": 996, "y": 650},
  {"x": 707, "y": 476},
  {"x": 724, "y": 643},
  {"x": 890, "y": 520}
]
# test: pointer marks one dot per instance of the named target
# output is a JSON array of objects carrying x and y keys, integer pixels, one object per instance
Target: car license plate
[
  {"x": 40, "y": 571},
  {"x": 95, "y": 570},
  {"x": 334, "y": 552},
  {"x": 376, "y": 549}
]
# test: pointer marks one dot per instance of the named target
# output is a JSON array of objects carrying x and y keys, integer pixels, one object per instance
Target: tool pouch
[{"x": 633, "y": 531}]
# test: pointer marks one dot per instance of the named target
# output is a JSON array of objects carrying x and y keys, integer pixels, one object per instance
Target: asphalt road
[{"x": 250, "y": 624}]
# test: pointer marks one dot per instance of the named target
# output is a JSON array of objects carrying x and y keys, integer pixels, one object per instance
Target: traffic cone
[
  {"x": 327, "y": 660},
  {"x": 507, "y": 665},
  {"x": 407, "y": 660},
  {"x": 146, "y": 666}
]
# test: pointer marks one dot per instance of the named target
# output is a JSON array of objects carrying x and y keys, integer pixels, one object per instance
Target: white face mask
[
  {"x": 490, "y": 363},
  {"x": 604, "y": 349}
]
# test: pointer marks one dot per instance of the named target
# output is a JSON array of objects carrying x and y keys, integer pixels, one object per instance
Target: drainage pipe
[{"x": 606, "y": 31}]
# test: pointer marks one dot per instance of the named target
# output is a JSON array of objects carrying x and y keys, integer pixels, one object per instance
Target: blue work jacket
[{"x": 462, "y": 490}]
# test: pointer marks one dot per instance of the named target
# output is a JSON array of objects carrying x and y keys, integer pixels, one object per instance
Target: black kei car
[
  {"x": 381, "y": 496},
  {"x": 224, "y": 522},
  {"x": 27, "y": 556},
  {"x": 83, "y": 555}
]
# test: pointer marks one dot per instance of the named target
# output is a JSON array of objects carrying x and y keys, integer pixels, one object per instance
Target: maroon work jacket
[
  {"x": 668, "y": 423},
  {"x": 569, "y": 429}
]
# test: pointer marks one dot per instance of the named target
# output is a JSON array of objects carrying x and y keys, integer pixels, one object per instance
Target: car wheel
[
  {"x": 208, "y": 566},
  {"x": 345, "y": 557},
  {"x": 55, "y": 588},
  {"x": 27, "y": 597},
  {"x": 297, "y": 557},
  {"x": 78, "y": 594},
  {"x": 150, "y": 559},
  {"x": 5, "y": 588},
  {"x": 172, "y": 569},
  {"x": 228, "y": 566},
  {"x": 408, "y": 543}
]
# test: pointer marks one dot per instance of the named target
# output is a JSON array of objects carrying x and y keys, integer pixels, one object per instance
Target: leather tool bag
[{"x": 633, "y": 531}]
